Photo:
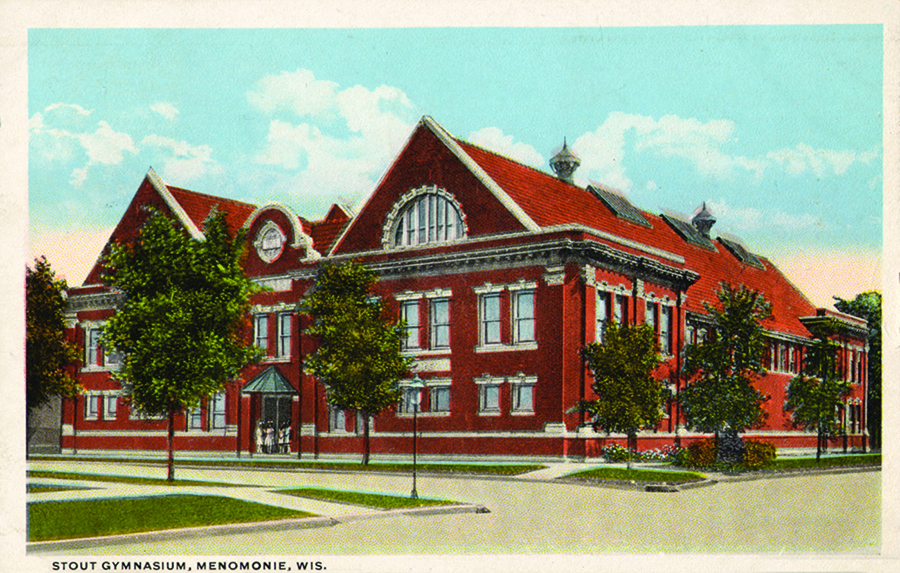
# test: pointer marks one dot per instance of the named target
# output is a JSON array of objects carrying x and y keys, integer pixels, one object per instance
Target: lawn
[
  {"x": 46, "y": 488},
  {"x": 54, "y": 520},
  {"x": 636, "y": 474},
  {"x": 379, "y": 500},
  {"x": 463, "y": 468},
  {"x": 124, "y": 479},
  {"x": 836, "y": 460}
]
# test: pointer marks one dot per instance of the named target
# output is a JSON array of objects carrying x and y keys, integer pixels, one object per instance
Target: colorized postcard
[{"x": 533, "y": 285}]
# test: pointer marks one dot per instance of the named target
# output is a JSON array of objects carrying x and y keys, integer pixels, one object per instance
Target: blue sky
[{"x": 777, "y": 128}]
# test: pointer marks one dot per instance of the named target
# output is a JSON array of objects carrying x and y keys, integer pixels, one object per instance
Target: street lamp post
[{"x": 415, "y": 397}]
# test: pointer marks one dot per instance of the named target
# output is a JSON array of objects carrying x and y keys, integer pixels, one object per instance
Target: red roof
[
  {"x": 550, "y": 201},
  {"x": 198, "y": 206}
]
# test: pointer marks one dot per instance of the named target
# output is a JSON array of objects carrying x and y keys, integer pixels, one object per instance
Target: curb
[{"x": 231, "y": 528}]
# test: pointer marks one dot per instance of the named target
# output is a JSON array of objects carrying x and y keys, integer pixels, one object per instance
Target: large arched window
[{"x": 429, "y": 215}]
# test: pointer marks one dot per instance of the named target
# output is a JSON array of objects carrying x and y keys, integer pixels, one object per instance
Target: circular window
[{"x": 269, "y": 242}]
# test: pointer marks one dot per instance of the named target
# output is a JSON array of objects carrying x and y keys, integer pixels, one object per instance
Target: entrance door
[{"x": 273, "y": 428}]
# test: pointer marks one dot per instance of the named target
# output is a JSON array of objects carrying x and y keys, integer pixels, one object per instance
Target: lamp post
[{"x": 415, "y": 397}]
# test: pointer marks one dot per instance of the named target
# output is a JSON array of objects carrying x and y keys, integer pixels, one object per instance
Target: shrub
[
  {"x": 758, "y": 454},
  {"x": 701, "y": 454},
  {"x": 614, "y": 453}
]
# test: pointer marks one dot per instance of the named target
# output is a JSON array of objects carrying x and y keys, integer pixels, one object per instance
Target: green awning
[{"x": 269, "y": 381}]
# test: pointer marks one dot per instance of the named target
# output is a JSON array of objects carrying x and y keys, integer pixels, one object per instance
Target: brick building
[{"x": 502, "y": 273}]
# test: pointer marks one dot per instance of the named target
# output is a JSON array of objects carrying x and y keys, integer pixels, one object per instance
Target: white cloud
[
  {"x": 749, "y": 218},
  {"x": 603, "y": 151},
  {"x": 494, "y": 139},
  {"x": 297, "y": 91},
  {"x": 183, "y": 161},
  {"x": 167, "y": 110},
  {"x": 73, "y": 106},
  {"x": 347, "y": 137},
  {"x": 106, "y": 145}
]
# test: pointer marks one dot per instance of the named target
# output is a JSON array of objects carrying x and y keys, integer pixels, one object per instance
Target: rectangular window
[
  {"x": 92, "y": 351},
  {"x": 336, "y": 419},
  {"x": 409, "y": 313},
  {"x": 284, "y": 334},
  {"x": 440, "y": 398},
  {"x": 440, "y": 323},
  {"x": 490, "y": 397},
  {"x": 490, "y": 318},
  {"x": 410, "y": 400},
  {"x": 110, "y": 407},
  {"x": 195, "y": 419},
  {"x": 650, "y": 315},
  {"x": 524, "y": 316},
  {"x": 602, "y": 315},
  {"x": 665, "y": 330},
  {"x": 261, "y": 331},
  {"x": 217, "y": 411},
  {"x": 620, "y": 312},
  {"x": 792, "y": 358},
  {"x": 523, "y": 397},
  {"x": 91, "y": 406}
]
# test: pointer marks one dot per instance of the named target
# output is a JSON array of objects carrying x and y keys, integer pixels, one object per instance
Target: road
[{"x": 804, "y": 513}]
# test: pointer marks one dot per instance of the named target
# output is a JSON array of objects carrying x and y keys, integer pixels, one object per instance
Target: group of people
[{"x": 271, "y": 440}]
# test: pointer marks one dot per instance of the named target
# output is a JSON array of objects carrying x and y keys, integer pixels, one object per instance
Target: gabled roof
[{"x": 269, "y": 381}]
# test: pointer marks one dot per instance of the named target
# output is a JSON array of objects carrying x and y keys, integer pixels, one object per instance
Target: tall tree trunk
[
  {"x": 170, "y": 446},
  {"x": 818, "y": 443},
  {"x": 366, "y": 449}
]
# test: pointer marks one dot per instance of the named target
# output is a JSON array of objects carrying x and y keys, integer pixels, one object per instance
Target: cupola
[
  {"x": 703, "y": 220},
  {"x": 565, "y": 163}
]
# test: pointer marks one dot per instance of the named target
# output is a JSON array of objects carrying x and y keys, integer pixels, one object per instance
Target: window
[
  {"x": 792, "y": 358},
  {"x": 522, "y": 390},
  {"x": 440, "y": 323},
  {"x": 336, "y": 419},
  {"x": 261, "y": 331},
  {"x": 650, "y": 315},
  {"x": 217, "y": 411},
  {"x": 284, "y": 334},
  {"x": 490, "y": 318},
  {"x": 92, "y": 351},
  {"x": 110, "y": 407},
  {"x": 602, "y": 315},
  {"x": 523, "y": 316},
  {"x": 409, "y": 313},
  {"x": 410, "y": 399},
  {"x": 489, "y": 397},
  {"x": 91, "y": 406},
  {"x": 665, "y": 330},
  {"x": 195, "y": 419},
  {"x": 429, "y": 218},
  {"x": 620, "y": 312},
  {"x": 439, "y": 396}
]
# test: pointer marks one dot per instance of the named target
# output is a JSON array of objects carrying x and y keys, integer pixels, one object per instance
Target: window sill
[
  {"x": 522, "y": 413},
  {"x": 424, "y": 415},
  {"x": 279, "y": 359},
  {"x": 416, "y": 352},
  {"x": 522, "y": 346},
  {"x": 490, "y": 413}
]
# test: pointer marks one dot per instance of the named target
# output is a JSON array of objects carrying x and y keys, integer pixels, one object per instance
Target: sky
[{"x": 777, "y": 128}]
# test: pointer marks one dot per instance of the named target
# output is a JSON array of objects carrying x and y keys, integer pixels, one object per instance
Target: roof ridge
[{"x": 209, "y": 196}]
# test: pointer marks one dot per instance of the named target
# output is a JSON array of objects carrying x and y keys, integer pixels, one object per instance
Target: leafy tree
[
  {"x": 182, "y": 325},
  {"x": 867, "y": 305},
  {"x": 359, "y": 357},
  {"x": 814, "y": 395},
  {"x": 722, "y": 397},
  {"x": 628, "y": 396},
  {"x": 48, "y": 353}
]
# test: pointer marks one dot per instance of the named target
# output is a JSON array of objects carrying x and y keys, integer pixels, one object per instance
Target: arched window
[{"x": 430, "y": 216}]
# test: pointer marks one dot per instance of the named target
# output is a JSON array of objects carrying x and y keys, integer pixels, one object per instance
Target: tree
[
  {"x": 867, "y": 305},
  {"x": 182, "y": 326},
  {"x": 814, "y": 395},
  {"x": 722, "y": 397},
  {"x": 359, "y": 359},
  {"x": 628, "y": 396},
  {"x": 48, "y": 353}
]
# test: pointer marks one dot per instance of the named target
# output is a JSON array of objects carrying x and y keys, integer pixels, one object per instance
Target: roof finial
[{"x": 565, "y": 163}]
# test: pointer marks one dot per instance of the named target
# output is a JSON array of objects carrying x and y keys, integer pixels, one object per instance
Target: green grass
[
  {"x": 98, "y": 517},
  {"x": 77, "y": 476},
  {"x": 44, "y": 488},
  {"x": 467, "y": 468},
  {"x": 379, "y": 500},
  {"x": 825, "y": 461},
  {"x": 635, "y": 474}
]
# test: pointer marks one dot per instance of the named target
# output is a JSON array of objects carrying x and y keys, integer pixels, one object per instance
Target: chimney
[
  {"x": 565, "y": 163},
  {"x": 703, "y": 220}
]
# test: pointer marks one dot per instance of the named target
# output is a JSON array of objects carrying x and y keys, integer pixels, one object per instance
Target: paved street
[{"x": 836, "y": 512}]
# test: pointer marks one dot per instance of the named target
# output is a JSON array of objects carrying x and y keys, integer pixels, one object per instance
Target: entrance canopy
[{"x": 269, "y": 381}]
